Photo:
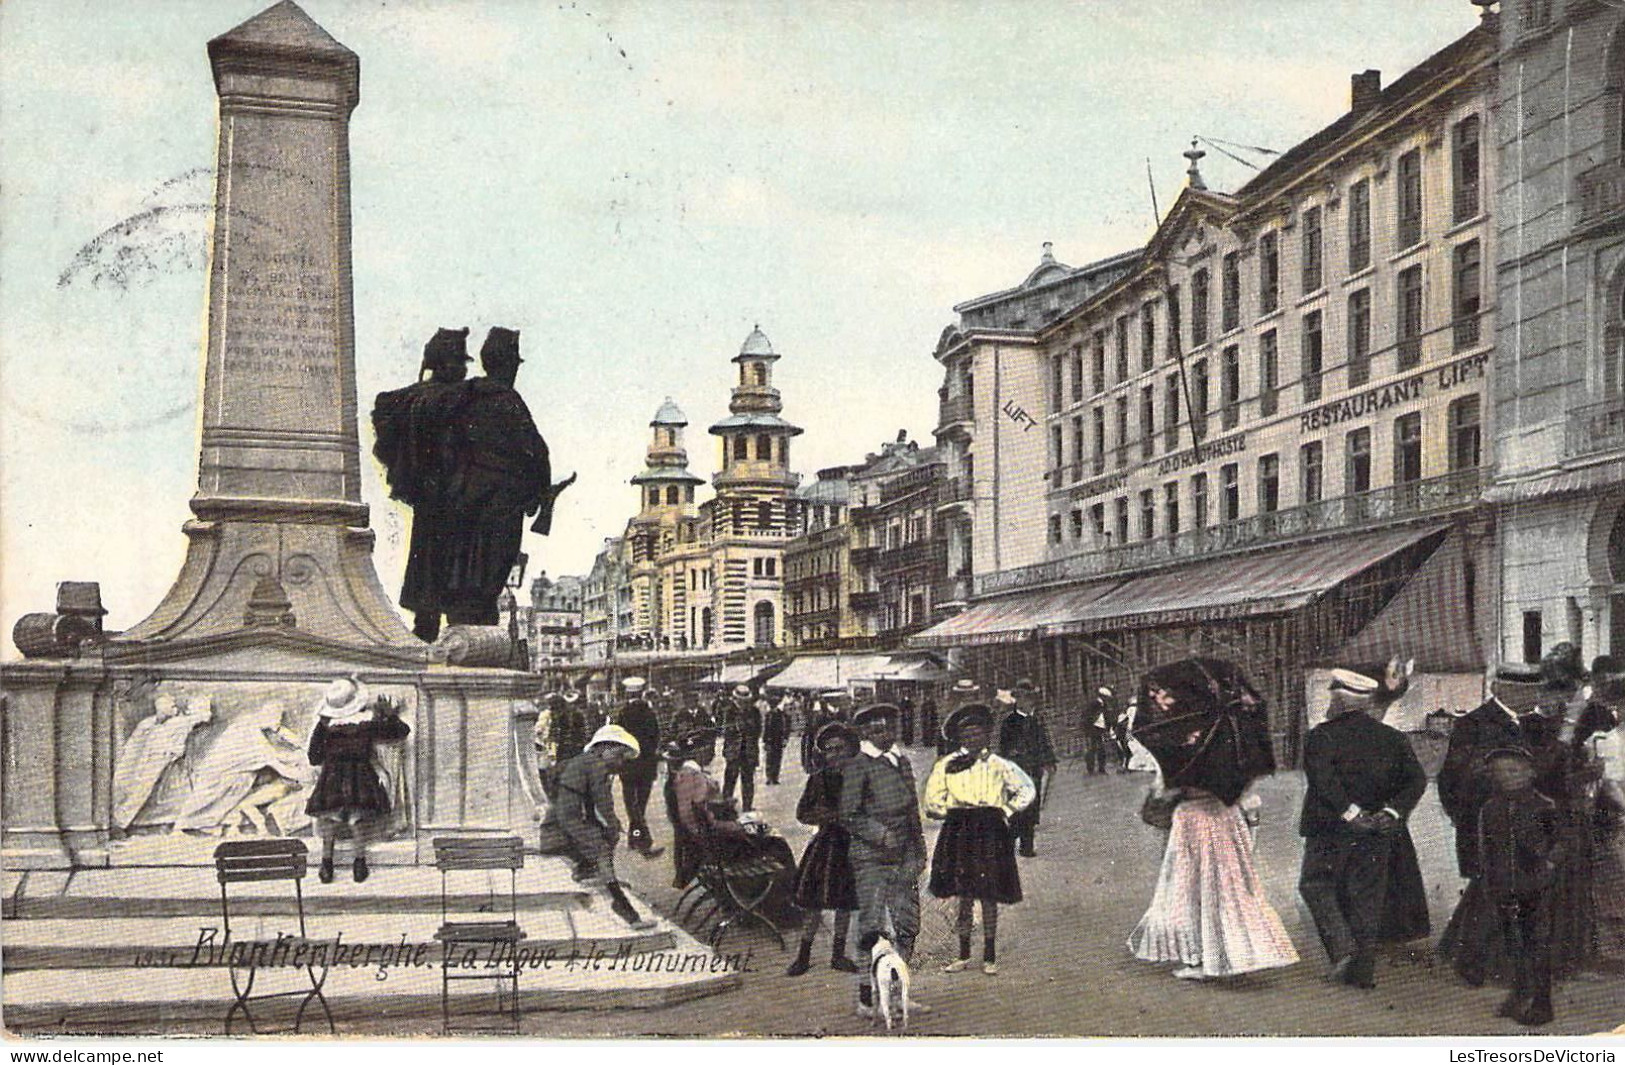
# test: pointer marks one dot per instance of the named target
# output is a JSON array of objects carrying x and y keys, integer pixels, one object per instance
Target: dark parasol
[{"x": 1206, "y": 727}]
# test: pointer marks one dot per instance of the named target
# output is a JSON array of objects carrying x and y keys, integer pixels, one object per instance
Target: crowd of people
[{"x": 1538, "y": 823}]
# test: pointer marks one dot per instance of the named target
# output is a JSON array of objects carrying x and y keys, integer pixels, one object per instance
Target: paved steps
[{"x": 128, "y": 949}]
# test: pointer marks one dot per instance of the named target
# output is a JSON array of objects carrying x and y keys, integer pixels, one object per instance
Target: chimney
[{"x": 1364, "y": 89}]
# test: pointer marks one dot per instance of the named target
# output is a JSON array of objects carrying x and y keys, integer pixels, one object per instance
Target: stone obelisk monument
[
  {"x": 279, "y": 512},
  {"x": 278, "y": 595}
]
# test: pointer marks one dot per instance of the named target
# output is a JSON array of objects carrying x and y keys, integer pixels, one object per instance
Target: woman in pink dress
[{"x": 1209, "y": 912}]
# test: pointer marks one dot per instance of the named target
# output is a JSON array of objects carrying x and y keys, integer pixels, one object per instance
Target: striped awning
[
  {"x": 1012, "y": 618},
  {"x": 1562, "y": 483},
  {"x": 1268, "y": 582}
]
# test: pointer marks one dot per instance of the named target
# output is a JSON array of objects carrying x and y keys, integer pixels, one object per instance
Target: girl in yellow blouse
[{"x": 974, "y": 792}]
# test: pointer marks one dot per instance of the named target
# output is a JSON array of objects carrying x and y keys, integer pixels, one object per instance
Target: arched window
[
  {"x": 741, "y": 448},
  {"x": 654, "y": 497},
  {"x": 764, "y": 515},
  {"x": 764, "y": 447},
  {"x": 688, "y": 494},
  {"x": 764, "y": 624},
  {"x": 672, "y": 495},
  {"x": 758, "y": 373},
  {"x": 1613, "y": 342}
]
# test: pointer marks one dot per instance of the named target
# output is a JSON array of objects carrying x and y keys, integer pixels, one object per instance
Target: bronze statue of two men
[{"x": 466, "y": 456}]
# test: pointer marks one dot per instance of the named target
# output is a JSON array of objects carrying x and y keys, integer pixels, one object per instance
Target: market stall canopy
[{"x": 822, "y": 672}]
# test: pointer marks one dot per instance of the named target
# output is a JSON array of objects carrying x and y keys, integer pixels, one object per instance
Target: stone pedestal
[{"x": 278, "y": 594}]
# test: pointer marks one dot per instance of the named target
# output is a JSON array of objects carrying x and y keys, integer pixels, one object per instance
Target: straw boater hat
[
  {"x": 969, "y": 714},
  {"x": 1104, "y": 692},
  {"x": 633, "y": 685},
  {"x": 965, "y": 686},
  {"x": 742, "y": 691},
  {"x": 1003, "y": 696},
  {"x": 616, "y": 734},
  {"x": 874, "y": 710},
  {"x": 344, "y": 699}
]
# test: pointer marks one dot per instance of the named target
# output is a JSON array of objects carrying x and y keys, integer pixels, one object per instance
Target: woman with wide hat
[
  {"x": 975, "y": 792},
  {"x": 349, "y": 796},
  {"x": 824, "y": 876}
]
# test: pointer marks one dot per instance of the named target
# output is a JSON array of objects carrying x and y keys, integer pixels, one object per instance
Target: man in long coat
[
  {"x": 880, "y": 809},
  {"x": 412, "y": 427},
  {"x": 1360, "y": 878},
  {"x": 1024, "y": 740},
  {"x": 741, "y": 746},
  {"x": 1464, "y": 779},
  {"x": 775, "y": 736},
  {"x": 638, "y": 775},
  {"x": 499, "y": 472}
]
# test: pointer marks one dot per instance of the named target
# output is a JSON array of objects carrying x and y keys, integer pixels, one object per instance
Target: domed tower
[
  {"x": 666, "y": 494},
  {"x": 753, "y": 513}
]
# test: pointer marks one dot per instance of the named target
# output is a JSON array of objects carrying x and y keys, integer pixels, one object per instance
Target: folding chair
[
  {"x": 500, "y": 939},
  {"x": 271, "y": 859},
  {"x": 736, "y": 885}
]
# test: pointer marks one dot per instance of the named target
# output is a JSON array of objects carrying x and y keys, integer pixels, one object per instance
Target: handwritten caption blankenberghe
[{"x": 286, "y": 951}]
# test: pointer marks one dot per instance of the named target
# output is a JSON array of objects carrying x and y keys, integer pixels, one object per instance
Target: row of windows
[
  {"x": 674, "y": 494},
  {"x": 1466, "y": 201},
  {"x": 1410, "y": 327},
  {"x": 764, "y": 448},
  {"x": 1463, "y": 426}
]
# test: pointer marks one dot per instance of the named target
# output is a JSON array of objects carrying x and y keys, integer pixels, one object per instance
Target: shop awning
[
  {"x": 1269, "y": 582},
  {"x": 731, "y": 673},
  {"x": 823, "y": 672},
  {"x": 1012, "y": 618},
  {"x": 918, "y": 669},
  {"x": 1427, "y": 621}
]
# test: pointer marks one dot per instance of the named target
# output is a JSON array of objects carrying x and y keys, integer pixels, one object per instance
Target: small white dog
[{"x": 890, "y": 976}]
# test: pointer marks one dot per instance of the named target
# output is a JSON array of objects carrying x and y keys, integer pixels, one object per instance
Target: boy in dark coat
[
  {"x": 880, "y": 807},
  {"x": 1519, "y": 851},
  {"x": 1360, "y": 878}
]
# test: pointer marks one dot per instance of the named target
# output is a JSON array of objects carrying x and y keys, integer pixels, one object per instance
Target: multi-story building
[
  {"x": 1260, "y": 437},
  {"x": 818, "y": 565},
  {"x": 755, "y": 511},
  {"x": 900, "y": 546},
  {"x": 706, "y": 577},
  {"x": 554, "y": 623},
  {"x": 989, "y": 406},
  {"x": 605, "y": 601},
  {"x": 1559, "y": 426}
]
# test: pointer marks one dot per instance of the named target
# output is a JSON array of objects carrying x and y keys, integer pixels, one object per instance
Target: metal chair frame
[
  {"x": 271, "y": 859},
  {"x": 481, "y": 854},
  {"x": 734, "y": 887}
]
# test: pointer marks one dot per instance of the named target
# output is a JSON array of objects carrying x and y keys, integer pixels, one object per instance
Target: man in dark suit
[
  {"x": 638, "y": 775},
  {"x": 1360, "y": 878},
  {"x": 1024, "y": 740},
  {"x": 1464, "y": 778},
  {"x": 775, "y": 736},
  {"x": 741, "y": 746},
  {"x": 880, "y": 809}
]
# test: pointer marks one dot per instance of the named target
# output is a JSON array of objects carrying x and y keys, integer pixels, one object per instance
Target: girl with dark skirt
[
  {"x": 975, "y": 792},
  {"x": 824, "y": 877},
  {"x": 349, "y": 797}
]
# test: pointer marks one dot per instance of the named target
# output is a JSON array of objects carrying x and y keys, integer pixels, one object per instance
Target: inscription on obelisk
[
  {"x": 279, "y": 421},
  {"x": 278, "y": 503}
]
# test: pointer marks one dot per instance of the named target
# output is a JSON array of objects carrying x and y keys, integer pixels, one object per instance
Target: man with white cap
[
  {"x": 581, "y": 824},
  {"x": 638, "y": 776},
  {"x": 1098, "y": 718},
  {"x": 1360, "y": 878}
]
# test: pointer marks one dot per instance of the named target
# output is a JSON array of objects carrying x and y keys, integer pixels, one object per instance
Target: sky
[{"x": 633, "y": 186}]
